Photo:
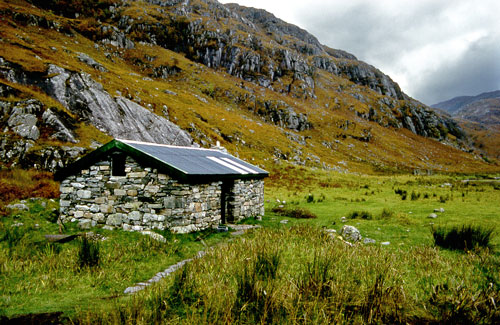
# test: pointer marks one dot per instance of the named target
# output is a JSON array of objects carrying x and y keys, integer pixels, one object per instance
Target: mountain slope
[
  {"x": 196, "y": 72},
  {"x": 480, "y": 117},
  {"x": 457, "y": 104}
]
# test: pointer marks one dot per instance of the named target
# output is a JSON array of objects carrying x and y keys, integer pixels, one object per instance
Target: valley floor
[{"x": 293, "y": 270}]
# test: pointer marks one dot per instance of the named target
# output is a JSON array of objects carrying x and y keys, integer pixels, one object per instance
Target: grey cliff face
[
  {"x": 26, "y": 119},
  {"x": 272, "y": 50},
  {"x": 247, "y": 43},
  {"x": 86, "y": 98}
]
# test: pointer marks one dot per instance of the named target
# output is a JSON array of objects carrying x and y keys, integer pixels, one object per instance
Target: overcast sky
[{"x": 434, "y": 49}]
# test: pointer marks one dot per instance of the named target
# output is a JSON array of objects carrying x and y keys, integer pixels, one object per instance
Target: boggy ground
[{"x": 294, "y": 272}]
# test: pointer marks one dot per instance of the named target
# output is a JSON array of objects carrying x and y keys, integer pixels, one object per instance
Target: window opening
[{"x": 118, "y": 164}]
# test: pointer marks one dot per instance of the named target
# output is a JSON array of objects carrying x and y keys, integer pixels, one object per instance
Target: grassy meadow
[{"x": 293, "y": 272}]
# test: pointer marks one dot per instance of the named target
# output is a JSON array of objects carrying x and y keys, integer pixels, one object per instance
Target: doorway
[{"x": 226, "y": 202}]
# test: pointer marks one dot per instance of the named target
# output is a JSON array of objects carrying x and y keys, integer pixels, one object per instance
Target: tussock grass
[
  {"x": 39, "y": 277},
  {"x": 319, "y": 280},
  {"x": 88, "y": 253},
  {"x": 360, "y": 215},
  {"x": 294, "y": 212},
  {"x": 466, "y": 237}
]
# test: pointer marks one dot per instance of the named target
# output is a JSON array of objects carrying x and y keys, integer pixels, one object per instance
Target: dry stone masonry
[{"x": 146, "y": 199}]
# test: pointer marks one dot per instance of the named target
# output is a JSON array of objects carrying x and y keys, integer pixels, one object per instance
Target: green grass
[
  {"x": 402, "y": 222},
  {"x": 291, "y": 270},
  {"x": 317, "y": 279},
  {"x": 40, "y": 277}
]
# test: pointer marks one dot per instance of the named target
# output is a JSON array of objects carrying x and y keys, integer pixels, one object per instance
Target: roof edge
[{"x": 144, "y": 158}]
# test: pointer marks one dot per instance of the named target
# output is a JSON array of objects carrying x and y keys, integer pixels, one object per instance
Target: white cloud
[{"x": 414, "y": 42}]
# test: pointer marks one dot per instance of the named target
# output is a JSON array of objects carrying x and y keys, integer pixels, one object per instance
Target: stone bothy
[{"x": 137, "y": 185}]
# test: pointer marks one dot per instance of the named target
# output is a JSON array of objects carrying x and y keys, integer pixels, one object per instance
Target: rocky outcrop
[
  {"x": 279, "y": 30},
  {"x": 366, "y": 75},
  {"x": 62, "y": 123},
  {"x": 51, "y": 158},
  {"x": 118, "y": 117},
  {"x": 23, "y": 118},
  {"x": 91, "y": 62},
  {"x": 87, "y": 99},
  {"x": 279, "y": 113},
  {"x": 422, "y": 120},
  {"x": 275, "y": 51},
  {"x": 23, "y": 122}
]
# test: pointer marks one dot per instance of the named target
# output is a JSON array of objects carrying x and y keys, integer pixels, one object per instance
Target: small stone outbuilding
[{"x": 138, "y": 185}]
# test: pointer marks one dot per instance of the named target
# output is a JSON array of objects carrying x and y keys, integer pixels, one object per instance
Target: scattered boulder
[
  {"x": 154, "y": 235},
  {"x": 17, "y": 224},
  {"x": 18, "y": 206},
  {"x": 432, "y": 216},
  {"x": 369, "y": 241},
  {"x": 91, "y": 62},
  {"x": 385, "y": 243},
  {"x": 93, "y": 236},
  {"x": 285, "y": 221},
  {"x": 439, "y": 210},
  {"x": 351, "y": 233}
]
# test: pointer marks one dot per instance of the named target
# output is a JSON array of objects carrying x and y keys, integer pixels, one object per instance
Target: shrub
[
  {"x": 466, "y": 237},
  {"x": 310, "y": 198},
  {"x": 88, "y": 253},
  {"x": 360, "y": 215},
  {"x": 298, "y": 213},
  {"x": 415, "y": 196},
  {"x": 21, "y": 184}
]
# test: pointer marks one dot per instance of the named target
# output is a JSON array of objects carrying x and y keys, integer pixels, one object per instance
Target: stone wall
[
  {"x": 143, "y": 199},
  {"x": 247, "y": 199}
]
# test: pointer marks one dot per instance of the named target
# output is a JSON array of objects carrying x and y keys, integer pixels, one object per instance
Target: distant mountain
[
  {"x": 486, "y": 111},
  {"x": 454, "y": 105},
  {"x": 479, "y": 116}
]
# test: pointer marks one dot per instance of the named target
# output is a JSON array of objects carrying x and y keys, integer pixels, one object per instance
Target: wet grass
[
  {"x": 315, "y": 278},
  {"x": 293, "y": 272},
  {"x": 41, "y": 277}
]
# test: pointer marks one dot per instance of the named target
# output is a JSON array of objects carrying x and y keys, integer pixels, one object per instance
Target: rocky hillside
[{"x": 193, "y": 72}]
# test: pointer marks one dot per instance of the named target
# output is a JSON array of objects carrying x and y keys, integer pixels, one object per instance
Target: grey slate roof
[{"x": 185, "y": 163}]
